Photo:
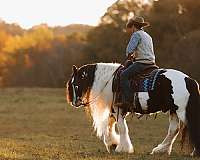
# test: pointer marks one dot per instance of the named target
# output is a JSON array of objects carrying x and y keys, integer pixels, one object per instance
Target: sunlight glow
[{"x": 53, "y": 12}]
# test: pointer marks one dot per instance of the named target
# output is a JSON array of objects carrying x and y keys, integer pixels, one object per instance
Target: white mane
[{"x": 101, "y": 93}]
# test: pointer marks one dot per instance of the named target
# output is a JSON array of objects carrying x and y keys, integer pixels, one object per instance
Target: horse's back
[{"x": 174, "y": 75}]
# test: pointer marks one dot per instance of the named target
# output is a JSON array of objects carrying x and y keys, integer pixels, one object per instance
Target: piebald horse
[{"x": 174, "y": 92}]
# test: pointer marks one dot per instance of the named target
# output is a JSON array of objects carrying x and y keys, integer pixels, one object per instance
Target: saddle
[{"x": 143, "y": 82}]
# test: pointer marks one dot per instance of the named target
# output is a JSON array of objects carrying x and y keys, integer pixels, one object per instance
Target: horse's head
[{"x": 80, "y": 83}]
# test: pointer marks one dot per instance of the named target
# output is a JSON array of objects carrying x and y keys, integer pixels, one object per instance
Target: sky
[{"x": 28, "y": 13}]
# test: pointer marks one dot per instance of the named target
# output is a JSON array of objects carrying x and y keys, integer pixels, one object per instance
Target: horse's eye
[
  {"x": 76, "y": 87},
  {"x": 84, "y": 75}
]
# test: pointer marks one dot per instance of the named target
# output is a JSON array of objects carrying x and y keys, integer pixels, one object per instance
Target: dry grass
[{"x": 38, "y": 124}]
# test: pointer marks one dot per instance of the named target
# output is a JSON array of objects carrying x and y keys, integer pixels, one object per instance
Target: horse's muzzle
[{"x": 77, "y": 103}]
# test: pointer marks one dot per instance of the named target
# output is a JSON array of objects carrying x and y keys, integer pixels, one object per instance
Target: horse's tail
[{"x": 193, "y": 113}]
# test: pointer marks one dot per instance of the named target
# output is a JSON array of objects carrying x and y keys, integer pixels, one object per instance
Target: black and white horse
[{"x": 175, "y": 92}]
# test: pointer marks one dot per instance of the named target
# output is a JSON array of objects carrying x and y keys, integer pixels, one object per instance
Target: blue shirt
[
  {"x": 142, "y": 44},
  {"x": 133, "y": 43}
]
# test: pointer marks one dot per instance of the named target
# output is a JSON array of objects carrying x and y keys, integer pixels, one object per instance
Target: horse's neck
[{"x": 104, "y": 76}]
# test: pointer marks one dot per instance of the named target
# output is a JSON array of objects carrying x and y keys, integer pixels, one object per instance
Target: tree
[
  {"x": 175, "y": 31},
  {"x": 40, "y": 57}
]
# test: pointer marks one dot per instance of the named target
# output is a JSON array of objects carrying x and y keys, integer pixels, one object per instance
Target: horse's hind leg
[
  {"x": 166, "y": 145},
  {"x": 112, "y": 139}
]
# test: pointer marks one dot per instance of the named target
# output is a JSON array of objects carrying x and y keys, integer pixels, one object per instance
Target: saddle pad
[{"x": 147, "y": 83}]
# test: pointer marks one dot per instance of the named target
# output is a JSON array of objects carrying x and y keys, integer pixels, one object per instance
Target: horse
[{"x": 91, "y": 86}]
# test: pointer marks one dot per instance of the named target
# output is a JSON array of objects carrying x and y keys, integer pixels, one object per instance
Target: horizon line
[{"x": 44, "y": 24}]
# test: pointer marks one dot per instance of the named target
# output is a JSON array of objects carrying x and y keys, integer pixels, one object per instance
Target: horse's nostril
[{"x": 77, "y": 103}]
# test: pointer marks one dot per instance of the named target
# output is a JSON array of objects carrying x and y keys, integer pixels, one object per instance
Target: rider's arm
[{"x": 133, "y": 43}]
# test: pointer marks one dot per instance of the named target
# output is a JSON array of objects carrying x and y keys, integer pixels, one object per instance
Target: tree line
[{"x": 42, "y": 56}]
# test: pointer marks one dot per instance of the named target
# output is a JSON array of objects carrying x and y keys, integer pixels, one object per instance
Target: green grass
[{"x": 38, "y": 124}]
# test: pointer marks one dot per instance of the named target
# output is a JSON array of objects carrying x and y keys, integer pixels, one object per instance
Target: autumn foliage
[{"x": 41, "y": 56}]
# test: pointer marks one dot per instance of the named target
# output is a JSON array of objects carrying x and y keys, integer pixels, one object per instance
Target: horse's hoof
[
  {"x": 131, "y": 150},
  {"x": 160, "y": 150},
  {"x": 108, "y": 148},
  {"x": 195, "y": 154},
  {"x": 113, "y": 147},
  {"x": 120, "y": 148}
]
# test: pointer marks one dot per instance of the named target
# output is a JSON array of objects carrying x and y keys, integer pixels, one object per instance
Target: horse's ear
[{"x": 74, "y": 69}]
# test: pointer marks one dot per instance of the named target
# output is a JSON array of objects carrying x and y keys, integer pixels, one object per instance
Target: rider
[{"x": 140, "y": 47}]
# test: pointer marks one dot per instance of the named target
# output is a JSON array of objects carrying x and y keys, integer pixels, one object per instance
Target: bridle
[{"x": 88, "y": 103}]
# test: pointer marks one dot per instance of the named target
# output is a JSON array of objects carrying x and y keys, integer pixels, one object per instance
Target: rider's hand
[{"x": 129, "y": 57}]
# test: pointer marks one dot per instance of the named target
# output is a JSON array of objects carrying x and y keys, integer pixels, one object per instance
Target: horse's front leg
[
  {"x": 125, "y": 144},
  {"x": 112, "y": 139},
  {"x": 166, "y": 145}
]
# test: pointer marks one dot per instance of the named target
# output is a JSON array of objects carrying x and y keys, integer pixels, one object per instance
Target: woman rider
[{"x": 140, "y": 47}]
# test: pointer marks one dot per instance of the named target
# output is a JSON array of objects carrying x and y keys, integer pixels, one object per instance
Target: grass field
[{"x": 38, "y": 124}]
